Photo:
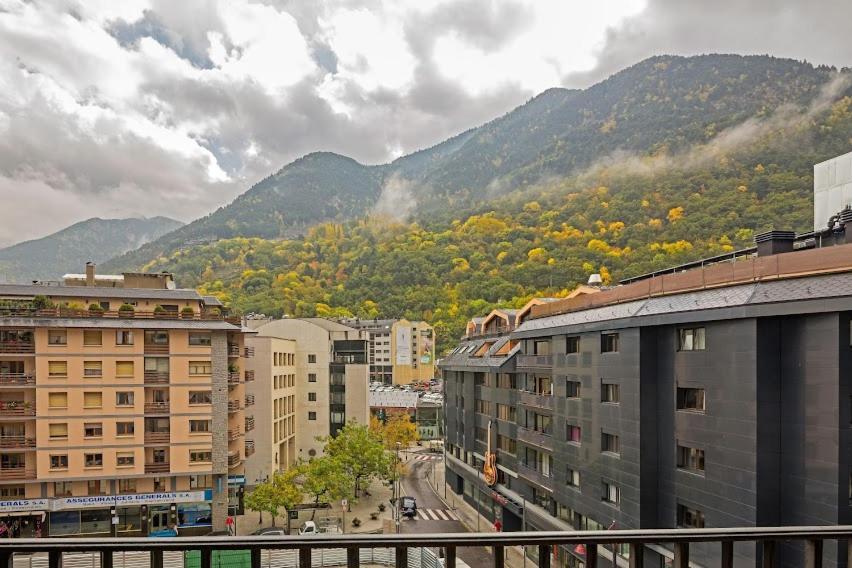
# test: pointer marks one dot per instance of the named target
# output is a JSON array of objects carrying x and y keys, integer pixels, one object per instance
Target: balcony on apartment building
[
  {"x": 234, "y": 434},
  {"x": 592, "y": 548},
  {"x": 15, "y": 438},
  {"x": 16, "y": 407},
  {"x": 249, "y": 447},
  {"x": 234, "y": 459},
  {"x": 158, "y": 435},
  {"x": 156, "y": 377},
  {"x": 156, "y": 343},
  {"x": 15, "y": 341},
  {"x": 249, "y": 399},
  {"x": 535, "y": 438},
  {"x": 233, "y": 350},
  {"x": 536, "y": 474},
  {"x": 543, "y": 400},
  {"x": 15, "y": 466},
  {"x": 11, "y": 379},
  {"x": 249, "y": 423},
  {"x": 157, "y": 407},
  {"x": 234, "y": 406},
  {"x": 249, "y": 375},
  {"x": 535, "y": 361}
]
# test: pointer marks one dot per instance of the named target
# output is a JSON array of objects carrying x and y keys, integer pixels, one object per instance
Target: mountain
[
  {"x": 698, "y": 162},
  {"x": 97, "y": 240},
  {"x": 665, "y": 104}
]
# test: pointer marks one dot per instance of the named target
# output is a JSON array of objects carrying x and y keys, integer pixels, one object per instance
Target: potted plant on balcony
[
  {"x": 187, "y": 313},
  {"x": 159, "y": 310},
  {"x": 42, "y": 303},
  {"x": 95, "y": 310},
  {"x": 126, "y": 311}
]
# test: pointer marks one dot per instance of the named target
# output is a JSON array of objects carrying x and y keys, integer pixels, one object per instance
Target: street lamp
[{"x": 398, "y": 489}]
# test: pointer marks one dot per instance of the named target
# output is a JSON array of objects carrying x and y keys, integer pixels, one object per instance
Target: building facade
[
  {"x": 115, "y": 408},
  {"x": 331, "y": 379},
  {"x": 271, "y": 402},
  {"x": 712, "y": 397},
  {"x": 400, "y": 352}
]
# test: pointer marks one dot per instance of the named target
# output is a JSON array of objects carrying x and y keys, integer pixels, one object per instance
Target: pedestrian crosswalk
[
  {"x": 425, "y": 457},
  {"x": 437, "y": 515}
]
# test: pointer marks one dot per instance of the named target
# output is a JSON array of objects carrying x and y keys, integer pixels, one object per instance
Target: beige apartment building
[
  {"x": 400, "y": 352},
  {"x": 120, "y": 422},
  {"x": 271, "y": 446},
  {"x": 331, "y": 381}
]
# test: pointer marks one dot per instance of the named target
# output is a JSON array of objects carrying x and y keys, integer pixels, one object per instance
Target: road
[{"x": 433, "y": 516}]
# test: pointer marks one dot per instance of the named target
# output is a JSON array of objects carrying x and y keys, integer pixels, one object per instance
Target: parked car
[
  {"x": 310, "y": 528},
  {"x": 270, "y": 531},
  {"x": 408, "y": 507}
]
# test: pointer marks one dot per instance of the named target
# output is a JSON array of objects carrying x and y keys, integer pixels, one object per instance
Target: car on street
[
  {"x": 408, "y": 507},
  {"x": 270, "y": 531}
]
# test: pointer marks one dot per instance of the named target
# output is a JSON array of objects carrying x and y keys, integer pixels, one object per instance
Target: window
[
  {"x": 200, "y": 368},
  {"x": 338, "y": 418},
  {"x": 609, "y": 342},
  {"x": 93, "y": 430},
  {"x": 572, "y": 345},
  {"x": 312, "y": 415},
  {"x": 124, "y": 337},
  {"x": 481, "y": 434},
  {"x": 483, "y": 406},
  {"x": 12, "y": 491},
  {"x": 312, "y": 358},
  {"x": 200, "y": 397},
  {"x": 691, "y": 339},
  {"x": 573, "y": 478},
  {"x": 611, "y": 493},
  {"x": 312, "y": 397},
  {"x": 199, "y": 426},
  {"x": 609, "y": 443},
  {"x": 688, "y": 518},
  {"x": 127, "y": 486},
  {"x": 572, "y": 389},
  {"x": 93, "y": 400},
  {"x": 541, "y": 347},
  {"x": 199, "y": 456},
  {"x": 57, "y": 400},
  {"x": 92, "y": 337},
  {"x": 124, "y": 368},
  {"x": 57, "y": 337},
  {"x": 156, "y": 365},
  {"x": 62, "y": 488},
  {"x": 59, "y": 461},
  {"x": 124, "y": 398},
  {"x": 691, "y": 459},
  {"x": 312, "y": 377},
  {"x": 96, "y": 487},
  {"x": 507, "y": 412},
  {"x": 200, "y": 339},
  {"x": 506, "y": 444},
  {"x": 506, "y": 381},
  {"x": 690, "y": 399},
  {"x": 156, "y": 337},
  {"x": 200, "y": 481},
  {"x": 124, "y": 428},
  {"x": 574, "y": 434},
  {"x": 125, "y": 459},
  {"x": 57, "y": 368},
  {"x": 609, "y": 392},
  {"x": 58, "y": 431},
  {"x": 93, "y": 369}
]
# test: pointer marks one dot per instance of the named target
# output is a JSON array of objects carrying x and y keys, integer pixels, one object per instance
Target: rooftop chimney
[
  {"x": 774, "y": 242},
  {"x": 90, "y": 274},
  {"x": 595, "y": 280}
]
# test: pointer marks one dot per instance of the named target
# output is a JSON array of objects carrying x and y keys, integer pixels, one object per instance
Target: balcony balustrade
[
  {"x": 233, "y": 350},
  {"x": 157, "y": 437},
  {"x": 65, "y": 312},
  {"x": 594, "y": 548},
  {"x": 157, "y": 467},
  {"x": 249, "y": 352},
  {"x": 249, "y": 400},
  {"x": 535, "y": 361},
  {"x": 536, "y": 400},
  {"x": 16, "y": 379},
  {"x": 234, "y": 435},
  {"x": 234, "y": 459},
  {"x": 234, "y": 378},
  {"x": 17, "y": 472},
  {"x": 17, "y": 347},
  {"x": 157, "y": 407},
  {"x": 535, "y": 438},
  {"x": 249, "y": 447},
  {"x": 535, "y": 475},
  {"x": 156, "y": 349},
  {"x": 16, "y": 408},
  {"x": 156, "y": 377},
  {"x": 249, "y": 423},
  {"x": 249, "y": 376},
  {"x": 9, "y": 442},
  {"x": 234, "y": 406}
]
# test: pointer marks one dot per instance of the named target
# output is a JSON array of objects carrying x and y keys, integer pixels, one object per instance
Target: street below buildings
[{"x": 433, "y": 515}]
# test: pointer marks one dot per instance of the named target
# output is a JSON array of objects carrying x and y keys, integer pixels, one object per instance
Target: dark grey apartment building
[{"x": 714, "y": 395}]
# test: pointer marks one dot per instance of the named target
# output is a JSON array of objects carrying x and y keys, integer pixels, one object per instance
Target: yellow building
[
  {"x": 400, "y": 352},
  {"x": 119, "y": 421}
]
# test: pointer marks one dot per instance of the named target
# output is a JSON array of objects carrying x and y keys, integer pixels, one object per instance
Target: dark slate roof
[
  {"x": 211, "y": 301},
  {"x": 463, "y": 356},
  {"x": 745, "y": 295},
  {"x": 30, "y": 290}
]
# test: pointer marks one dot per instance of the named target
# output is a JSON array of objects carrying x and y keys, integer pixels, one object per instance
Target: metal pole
[
  {"x": 524, "y": 528},
  {"x": 399, "y": 487}
]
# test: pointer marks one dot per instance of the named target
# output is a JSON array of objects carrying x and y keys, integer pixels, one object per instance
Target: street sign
[{"x": 344, "y": 503}]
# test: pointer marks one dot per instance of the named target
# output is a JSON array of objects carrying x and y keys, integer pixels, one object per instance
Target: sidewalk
[{"x": 470, "y": 517}]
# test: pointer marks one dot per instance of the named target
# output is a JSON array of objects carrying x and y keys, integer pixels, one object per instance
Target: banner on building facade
[{"x": 403, "y": 345}]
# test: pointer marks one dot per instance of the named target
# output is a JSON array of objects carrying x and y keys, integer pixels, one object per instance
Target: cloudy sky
[{"x": 118, "y": 108}]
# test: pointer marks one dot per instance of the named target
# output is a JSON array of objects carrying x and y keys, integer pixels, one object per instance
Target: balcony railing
[
  {"x": 17, "y": 347},
  {"x": 535, "y": 438},
  {"x": 157, "y": 467},
  {"x": 9, "y": 442},
  {"x": 595, "y": 546},
  {"x": 157, "y": 407},
  {"x": 535, "y": 361},
  {"x": 16, "y": 408},
  {"x": 249, "y": 352},
  {"x": 234, "y": 406},
  {"x": 233, "y": 350},
  {"x": 234, "y": 378},
  {"x": 15, "y": 379},
  {"x": 64, "y": 312},
  {"x": 156, "y": 377},
  {"x": 234, "y": 459},
  {"x": 234, "y": 435},
  {"x": 156, "y": 349},
  {"x": 535, "y": 400},
  {"x": 249, "y": 399},
  {"x": 540, "y": 478},
  {"x": 249, "y": 447},
  {"x": 249, "y": 376},
  {"x": 157, "y": 437},
  {"x": 249, "y": 423},
  {"x": 17, "y": 472}
]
